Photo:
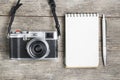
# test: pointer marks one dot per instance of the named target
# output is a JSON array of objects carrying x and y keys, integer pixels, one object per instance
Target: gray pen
[{"x": 104, "y": 40}]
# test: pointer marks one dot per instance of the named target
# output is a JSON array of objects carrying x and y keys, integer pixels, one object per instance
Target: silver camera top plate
[{"x": 34, "y": 34}]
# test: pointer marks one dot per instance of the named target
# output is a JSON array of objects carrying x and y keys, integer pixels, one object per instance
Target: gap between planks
[{"x": 58, "y": 16}]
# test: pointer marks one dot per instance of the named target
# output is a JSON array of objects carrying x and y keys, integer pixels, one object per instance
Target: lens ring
[
  {"x": 38, "y": 49},
  {"x": 33, "y": 55}
]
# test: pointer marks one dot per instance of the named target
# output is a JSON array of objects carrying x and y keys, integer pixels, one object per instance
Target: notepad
[{"x": 81, "y": 40}]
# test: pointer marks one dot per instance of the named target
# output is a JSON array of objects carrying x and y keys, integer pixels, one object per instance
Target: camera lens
[{"x": 37, "y": 48}]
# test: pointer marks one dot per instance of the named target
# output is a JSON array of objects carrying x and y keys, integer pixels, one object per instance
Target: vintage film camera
[{"x": 33, "y": 44}]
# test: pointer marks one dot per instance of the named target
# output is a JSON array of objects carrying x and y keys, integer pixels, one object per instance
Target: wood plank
[
  {"x": 41, "y": 8},
  {"x": 54, "y": 70}
]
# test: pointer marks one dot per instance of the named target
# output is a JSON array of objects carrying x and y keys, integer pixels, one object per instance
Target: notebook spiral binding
[{"x": 82, "y": 15}]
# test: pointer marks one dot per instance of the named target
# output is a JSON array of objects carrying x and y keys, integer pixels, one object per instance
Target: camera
[{"x": 35, "y": 45}]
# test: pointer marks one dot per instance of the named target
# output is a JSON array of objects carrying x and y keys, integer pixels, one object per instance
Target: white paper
[{"x": 82, "y": 40}]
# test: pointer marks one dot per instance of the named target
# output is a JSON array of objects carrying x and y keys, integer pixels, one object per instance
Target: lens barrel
[{"x": 38, "y": 48}]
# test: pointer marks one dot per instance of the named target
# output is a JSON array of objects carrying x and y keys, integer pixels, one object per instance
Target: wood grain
[
  {"x": 35, "y": 15},
  {"x": 41, "y": 8},
  {"x": 54, "y": 70}
]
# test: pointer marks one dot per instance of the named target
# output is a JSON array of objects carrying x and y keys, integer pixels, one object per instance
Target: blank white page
[{"x": 81, "y": 40}]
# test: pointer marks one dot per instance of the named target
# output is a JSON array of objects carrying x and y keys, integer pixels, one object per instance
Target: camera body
[{"x": 33, "y": 45}]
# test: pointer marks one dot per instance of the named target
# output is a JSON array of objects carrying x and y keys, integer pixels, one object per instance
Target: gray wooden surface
[{"x": 36, "y": 15}]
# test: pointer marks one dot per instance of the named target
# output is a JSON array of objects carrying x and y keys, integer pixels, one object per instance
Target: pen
[{"x": 104, "y": 40}]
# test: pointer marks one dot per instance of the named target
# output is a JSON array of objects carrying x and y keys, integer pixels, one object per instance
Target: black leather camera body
[{"x": 35, "y": 45}]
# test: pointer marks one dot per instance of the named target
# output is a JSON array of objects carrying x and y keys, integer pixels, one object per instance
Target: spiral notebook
[{"x": 81, "y": 40}]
